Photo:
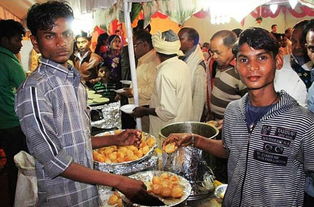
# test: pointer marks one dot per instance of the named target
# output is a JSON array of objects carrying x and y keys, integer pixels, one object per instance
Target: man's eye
[
  {"x": 49, "y": 36},
  {"x": 263, "y": 57},
  {"x": 70, "y": 34},
  {"x": 243, "y": 60}
]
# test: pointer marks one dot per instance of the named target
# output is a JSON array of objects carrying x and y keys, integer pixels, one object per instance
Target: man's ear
[
  {"x": 35, "y": 43},
  {"x": 279, "y": 61}
]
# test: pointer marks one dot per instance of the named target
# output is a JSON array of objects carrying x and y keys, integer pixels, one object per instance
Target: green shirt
[{"x": 11, "y": 76}]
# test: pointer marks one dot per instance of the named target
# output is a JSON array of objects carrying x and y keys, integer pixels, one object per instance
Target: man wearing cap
[{"x": 171, "y": 100}]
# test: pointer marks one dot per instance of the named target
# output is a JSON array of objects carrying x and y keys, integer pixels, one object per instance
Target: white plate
[
  {"x": 121, "y": 90},
  {"x": 126, "y": 82},
  {"x": 128, "y": 108}
]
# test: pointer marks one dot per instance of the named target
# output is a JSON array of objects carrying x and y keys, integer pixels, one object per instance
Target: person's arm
[
  {"x": 143, "y": 111},
  {"x": 127, "y": 137},
  {"x": 132, "y": 189},
  {"x": 212, "y": 146}
]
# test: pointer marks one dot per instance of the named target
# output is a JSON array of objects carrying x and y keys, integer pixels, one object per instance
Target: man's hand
[
  {"x": 139, "y": 112},
  {"x": 128, "y": 92},
  {"x": 179, "y": 139},
  {"x": 128, "y": 137},
  {"x": 136, "y": 192}
]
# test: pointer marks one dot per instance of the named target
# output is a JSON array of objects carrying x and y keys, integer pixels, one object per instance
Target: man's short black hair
[
  {"x": 257, "y": 38},
  {"x": 43, "y": 16},
  {"x": 10, "y": 28},
  {"x": 274, "y": 25},
  {"x": 144, "y": 36},
  {"x": 301, "y": 25},
  {"x": 83, "y": 35},
  {"x": 229, "y": 37},
  {"x": 192, "y": 34},
  {"x": 309, "y": 27}
]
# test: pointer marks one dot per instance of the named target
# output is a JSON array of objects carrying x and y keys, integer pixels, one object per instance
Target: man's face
[
  {"x": 310, "y": 45},
  {"x": 82, "y": 44},
  {"x": 298, "y": 49},
  {"x": 55, "y": 44},
  {"x": 140, "y": 48},
  {"x": 14, "y": 43},
  {"x": 221, "y": 53},
  {"x": 186, "y": 43},
  {"x": 274, "y": 29},
  {"x": 256, "y": 67}
]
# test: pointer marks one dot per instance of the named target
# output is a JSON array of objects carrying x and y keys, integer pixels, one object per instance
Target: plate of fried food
[
  {"x": 170, "y": 188},
  {"x": 117, "y": 155}
]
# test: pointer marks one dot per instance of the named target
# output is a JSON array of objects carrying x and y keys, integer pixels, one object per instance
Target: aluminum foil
[
  {"x": 127, "y": 168},
  {"x": 111, "y": 116},
  {"x": 187, "y": 162},
  {"x": 147, "y": 176}
]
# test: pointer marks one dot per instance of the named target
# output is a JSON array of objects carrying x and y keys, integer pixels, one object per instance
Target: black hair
[
  {"x": 301, "y": 25},
  {"x": 100, "y": 41},
  {"x": 257, "y": 38},
  {"x": 10, "y": 28},
  {"x": 237, "y": 31},
  {"x": 274, "y": 25},
  {"x": 83, "y": 35},
  {"x": 229, "y": 37},
  {"x": 42, "y": 16},
  {"x": 309, "y": 27},
  {"x": 144, "y": 36},
  {"x": 192, "y": 34},
  {"x": 111, "y": 38}
]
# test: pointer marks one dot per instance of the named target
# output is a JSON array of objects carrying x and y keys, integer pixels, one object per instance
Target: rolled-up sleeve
[
  {"x": 168, "y": 105},
  {"x": 35, "y": 113}
]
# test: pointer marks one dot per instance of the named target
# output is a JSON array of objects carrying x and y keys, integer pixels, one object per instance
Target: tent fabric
[{"x": 5, "y": 14}]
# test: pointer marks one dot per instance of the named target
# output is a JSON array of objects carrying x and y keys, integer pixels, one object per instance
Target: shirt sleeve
[
  {"x": 310, "y": 98},
  {"x": 35, "y": 112},
  {"x": 308, "y": 149},
  {"x": 168, "y": 103},
  {"x": 199, "y": 92}
]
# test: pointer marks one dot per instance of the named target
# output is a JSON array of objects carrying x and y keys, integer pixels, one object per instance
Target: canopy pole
[{"x": 127, "y": 6}]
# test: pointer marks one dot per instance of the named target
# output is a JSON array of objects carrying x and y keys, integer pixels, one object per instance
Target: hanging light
[
  {"x": 293, "y": 3},
  {"x": 273, "y": 8}
]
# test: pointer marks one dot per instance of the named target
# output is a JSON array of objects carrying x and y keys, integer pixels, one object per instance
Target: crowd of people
[{"x": 257, "y": 85}]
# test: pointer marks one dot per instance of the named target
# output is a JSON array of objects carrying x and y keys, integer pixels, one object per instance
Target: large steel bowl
[
  {"x": 200, "y": 128},
  {"x": 190, "y": 162}
]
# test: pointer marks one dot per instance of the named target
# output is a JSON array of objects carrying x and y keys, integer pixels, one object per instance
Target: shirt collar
[
  {"x": 189, "y": 52},
  {"x": 59, "y": 70},
  {"x": 167, "y": 61}
]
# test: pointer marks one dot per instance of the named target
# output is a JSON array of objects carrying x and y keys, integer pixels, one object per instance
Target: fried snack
[
  {"x": 170, "y": 148},
  {"x": 115, "y": 200},
  {"x": 118, "y": 154},
  {"x": 166, "y": 186}
]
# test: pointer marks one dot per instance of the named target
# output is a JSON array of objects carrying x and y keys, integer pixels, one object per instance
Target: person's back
[{"x": 11, "y": 76}]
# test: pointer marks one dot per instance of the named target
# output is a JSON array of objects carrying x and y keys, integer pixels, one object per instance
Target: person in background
[
  {"x": 102, "y": 44},
  {"x": 267, "y": 136},
  {"x": 146, "y": 71},
  {"x": 274, "y": 31},
  {"x": 12, "y": 75},
  {"x": 298, "y": 60},
  {"x": 227, "y": 84},
  {"x": 237, "y": 31},
  {"x": 171, "y": 100},
  {"x": 308, "y": 38},
  {"x": 52, "y": 108},
  {"x": 288, "y": 34},
  {"x": 112, "y": 61},
  {"x": 193, "y": 57},
  {"x": 86, "y": 61}
]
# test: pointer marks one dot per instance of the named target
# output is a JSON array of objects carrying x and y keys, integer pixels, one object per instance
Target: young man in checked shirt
[
  {"x": 268, "y": 137},
  {"x": 51, "y": 106}
]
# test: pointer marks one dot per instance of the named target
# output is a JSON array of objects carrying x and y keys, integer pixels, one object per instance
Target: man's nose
[
  {"x": 60, "y": 41},
  {"x": 253, "y": 66}
]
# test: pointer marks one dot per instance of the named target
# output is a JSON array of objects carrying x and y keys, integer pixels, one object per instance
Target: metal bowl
[{"x": 200, "y": 128}]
